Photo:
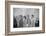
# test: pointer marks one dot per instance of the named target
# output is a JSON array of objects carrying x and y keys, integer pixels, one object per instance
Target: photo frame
[{"x": 11, "y": 7}]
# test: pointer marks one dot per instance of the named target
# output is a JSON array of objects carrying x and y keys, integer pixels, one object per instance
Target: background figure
[
  {"x": 28, "y": 21},
  {"x": 21, "y": 21},
  {"x": 17, "y": 18},
  {"x": 33, "y": 21},
  {"x": 37, "y": 23},
  {"x": 24, "y": 21},
  {"x": 14, "y": 22}
]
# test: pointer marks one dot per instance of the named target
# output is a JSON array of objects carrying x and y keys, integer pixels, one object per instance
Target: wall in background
[{"x": 2, "y": 18}]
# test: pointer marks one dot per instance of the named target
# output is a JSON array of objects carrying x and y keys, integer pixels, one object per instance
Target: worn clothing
[
  {"x": 14, "y": 23},
  {"x": 33, "y": 22},
  {"x": 27, "y": 23},
  {"x": 21, "y": 23}
]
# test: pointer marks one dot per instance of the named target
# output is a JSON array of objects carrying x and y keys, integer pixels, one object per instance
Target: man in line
[{"x": 21, "y": 21}]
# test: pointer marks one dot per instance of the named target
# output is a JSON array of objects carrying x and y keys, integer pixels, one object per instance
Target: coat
[
  {"x": 14, "y": 23},
  {"x": 27, "y": 23},
  {"x": 21, "y": 23}
]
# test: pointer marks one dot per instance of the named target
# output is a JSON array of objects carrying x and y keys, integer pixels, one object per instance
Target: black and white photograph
[{"x": 25, "y": 17}]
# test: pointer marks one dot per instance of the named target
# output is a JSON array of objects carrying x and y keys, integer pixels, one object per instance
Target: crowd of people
[{"x": 25, "y": 21}]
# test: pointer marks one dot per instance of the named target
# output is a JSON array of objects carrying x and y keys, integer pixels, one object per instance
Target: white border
[{"x": 25, "y": 29}]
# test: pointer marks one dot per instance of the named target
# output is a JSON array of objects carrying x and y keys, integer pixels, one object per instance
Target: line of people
[{"x": 24, "y": 21}]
